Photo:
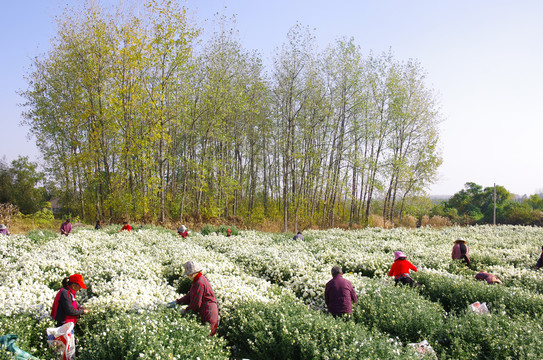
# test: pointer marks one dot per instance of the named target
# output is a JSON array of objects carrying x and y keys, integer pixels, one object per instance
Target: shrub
[
  {"x": 41, "y": 236},
  {"x": 379, "y": 221},
  {"x": 31, "y": 333},
  {"x": 457, "y": 292},
  {"x": 399, "y": 311},
  {"x": 160, "y": 334},
  {"x": 44, "y": 217},
  {"x": 436, "y": 221},
  {"x": 7, "y": 211},
  {"x": 221, "y": 229},
  {"x": 473, "y": 336},
  {"x": 409, "y": 221},
  {"x": 263, "y": 331},
  {"x": 207, "y": 229}
]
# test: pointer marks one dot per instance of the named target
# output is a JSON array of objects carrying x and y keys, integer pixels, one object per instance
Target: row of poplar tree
[{"x": 141, "y": 114}]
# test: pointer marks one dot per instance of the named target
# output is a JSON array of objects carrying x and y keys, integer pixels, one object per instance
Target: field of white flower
[{"x": 270, "y": 292}]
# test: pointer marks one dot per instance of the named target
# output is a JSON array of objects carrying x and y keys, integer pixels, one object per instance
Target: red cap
[
  {"x": 228, "y": 230},
  {"x": 77, "y": 279}
]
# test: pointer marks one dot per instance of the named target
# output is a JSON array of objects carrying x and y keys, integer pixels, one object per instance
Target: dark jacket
[
  {"x": 63, "y": 310},
  {"x": 339, "y": 295}
]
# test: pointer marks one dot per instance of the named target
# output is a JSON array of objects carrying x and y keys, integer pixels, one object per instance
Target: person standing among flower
[
  {"x": 298, "y": 236},
  {"x": 200, "y": 298},
  {"x": 183, "y": 232},
  {"x": 228, "y": 232},
  {"x": 126, "y": 226},
  {"x": 400, "y": 269},
  {"x": 98, "y": 225},
  {"x": 65, "y": 308},
  {"x": 4, "y": 230},
  {"x": 339, "y": 294},
  {"x": 66, "y": 227},
  {"x": 460, "y": 251}
]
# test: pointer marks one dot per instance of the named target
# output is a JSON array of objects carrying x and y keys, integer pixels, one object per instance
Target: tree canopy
[
  {"x": 475, "y": 205},
  {"x": 137, "y": 116}
]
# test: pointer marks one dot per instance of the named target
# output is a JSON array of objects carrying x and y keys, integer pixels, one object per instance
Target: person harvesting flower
[
  {"x": 200, "y": 298},
  {"x": 66, "y": 310},
  {"x": 460, "y": 251},
  {"x": 400, "y": 269},
  {"x": 183, "y": 231},
  {"x": 339, "y": 294},
  {"x": 66, "y": 227},
  {"x": 65, "y": 307},
  {"x": 126, "y": 226}
]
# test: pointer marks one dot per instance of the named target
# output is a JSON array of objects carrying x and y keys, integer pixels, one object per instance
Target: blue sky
[{"x": 484, "y": 58}]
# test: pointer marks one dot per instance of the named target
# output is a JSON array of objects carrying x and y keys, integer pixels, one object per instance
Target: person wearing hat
[
  {"x": 460, "y": 251},
  {"x": 400, "y": 269},
  {"x": 339, "y": 294},
  {"x": 183, "y": 232},
  {"x": 4, "y": 230},
  {"x": 65, "y": 308},
  {"x": 66, "y": 227},
  {"x": 489, "y": 278},
  {"x": 200, "y": 298},
  {"x": 228, "y": 232}
]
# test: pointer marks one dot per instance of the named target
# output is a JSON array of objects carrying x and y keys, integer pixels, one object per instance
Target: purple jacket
[
  {"x": 4, "y": 231},
  {"x": 66, "y": 228},
  {"x": 339, "y": 295},
  {"x": 457, "y": 251}
]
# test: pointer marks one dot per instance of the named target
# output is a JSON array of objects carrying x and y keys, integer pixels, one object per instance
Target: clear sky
[{"x": 484, "y": 58}]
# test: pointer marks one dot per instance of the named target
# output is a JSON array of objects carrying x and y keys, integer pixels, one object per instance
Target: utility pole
[{"x": 494, "y": 204}]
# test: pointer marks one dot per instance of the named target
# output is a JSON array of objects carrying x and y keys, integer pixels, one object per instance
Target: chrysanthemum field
[{"x": 270, "y": 292}]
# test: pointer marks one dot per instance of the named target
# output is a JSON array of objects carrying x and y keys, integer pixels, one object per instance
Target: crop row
[{"x": 264, "y": 284}]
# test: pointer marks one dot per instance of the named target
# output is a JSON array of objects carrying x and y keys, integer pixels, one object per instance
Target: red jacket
[
  {"x": 201, "y": 299},
  {"x": 401, "y": 267},
  {"x": 127, "y": 227}
]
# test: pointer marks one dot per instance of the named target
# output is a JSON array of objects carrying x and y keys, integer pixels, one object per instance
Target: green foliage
[
  {"x": 183, "y": 285},
  {"x": 535, "y": 202},
  {"x": 521, "y": 214},
  {"x": 19, "y": 185},
  {"x": 262, "y": 331},
  {"x": 198, "y": 123},
  {"x": 207, "y": 229},
  {"x": 44, "y": 217},
  {"x": 489, "y": 337},
  {"x": 455, "y": 293},
  {"x": 31, "y": 332},
  {"x": 159, "y": 334},
  {"x": 473, "y": 205},
  {"x": 399, "y": 311},
  {"x": 221, "y": 229},
  {"x": 39, "y": 237}
]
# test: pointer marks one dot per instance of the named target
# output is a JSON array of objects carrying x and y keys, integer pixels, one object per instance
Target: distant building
[{"x": 55, "y": 205}]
